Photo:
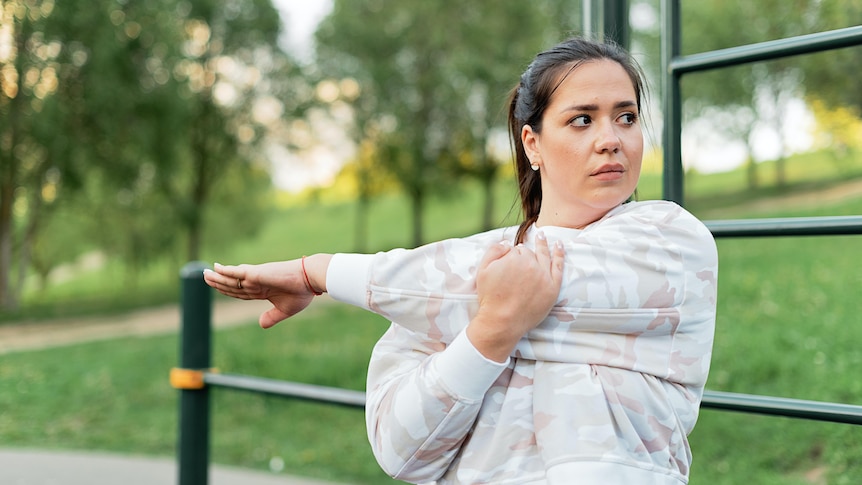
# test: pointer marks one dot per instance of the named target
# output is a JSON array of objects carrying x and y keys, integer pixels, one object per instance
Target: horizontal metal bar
[
  {"x": 794, "y": 408},
  {"x": 764, "y": 51},
  {"x": 779, "y": 406},
  {"x": 788, "y": 226},
  {"x": 310, "y": 392}
]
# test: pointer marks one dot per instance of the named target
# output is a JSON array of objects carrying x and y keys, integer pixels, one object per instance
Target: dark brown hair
[{"x": 531, "y": 97}]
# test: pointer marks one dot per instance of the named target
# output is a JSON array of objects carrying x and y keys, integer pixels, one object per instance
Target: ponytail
[{"x": 529, "y": 181}]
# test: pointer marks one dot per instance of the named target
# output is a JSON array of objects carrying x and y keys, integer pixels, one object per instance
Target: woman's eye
[
  {"x": 628, "y": 118},
  {"x": 582, "y": 120}
]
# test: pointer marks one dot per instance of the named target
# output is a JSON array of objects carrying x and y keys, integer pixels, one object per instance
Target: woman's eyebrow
[{"x": 595, "y": 107}]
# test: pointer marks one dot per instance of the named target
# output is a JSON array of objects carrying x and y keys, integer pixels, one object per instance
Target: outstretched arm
[{"x": 288, "y": 285}]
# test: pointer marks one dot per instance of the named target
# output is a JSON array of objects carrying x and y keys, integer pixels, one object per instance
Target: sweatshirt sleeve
[
  {"x": 423, "y": 398},
  {"x": 413, "y": 286},
  {"x": 347, "y": 278}
]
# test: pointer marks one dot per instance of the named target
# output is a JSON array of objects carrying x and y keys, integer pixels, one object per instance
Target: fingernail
[
  {"x": 505, "y": 242},
  {"x": 540, "y": 235}
]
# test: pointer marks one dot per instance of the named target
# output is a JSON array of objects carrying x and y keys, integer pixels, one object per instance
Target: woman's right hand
[{"x": 516, "y": 289}]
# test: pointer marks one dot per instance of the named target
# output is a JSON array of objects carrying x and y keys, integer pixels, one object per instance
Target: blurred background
[{"x": 138, "y": 136}]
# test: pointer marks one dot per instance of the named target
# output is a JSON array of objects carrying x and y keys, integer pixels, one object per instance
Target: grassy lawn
[
  {"x": 114, "y": 395},
  {"x": 789, "y": 324}
]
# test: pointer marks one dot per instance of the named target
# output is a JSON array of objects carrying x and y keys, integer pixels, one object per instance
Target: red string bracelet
[{"x": 307, "y": 281}]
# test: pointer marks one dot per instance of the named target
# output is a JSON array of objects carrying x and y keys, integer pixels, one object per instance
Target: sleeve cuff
[
  {"x": 347, "y": 278},
  {"x": 465, "y": 371}
]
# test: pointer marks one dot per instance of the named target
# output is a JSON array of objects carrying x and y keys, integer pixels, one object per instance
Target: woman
[{"x": 579, "y": 353}]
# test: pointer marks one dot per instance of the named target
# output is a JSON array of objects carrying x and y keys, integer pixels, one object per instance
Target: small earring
[{"x": 535, "y": 167}]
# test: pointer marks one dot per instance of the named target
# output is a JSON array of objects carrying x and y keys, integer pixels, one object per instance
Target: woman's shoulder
[
  {"x": 492, "y": 235},
  {"x": 655, "y": 211},
  {"x": 666, "y": 217},
  {"x": 479, "y": 240}
]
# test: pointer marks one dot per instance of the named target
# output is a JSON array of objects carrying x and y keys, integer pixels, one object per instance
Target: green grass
[
  {"x": 115, "y": 396},
  {"x": 789, "y": 324}
]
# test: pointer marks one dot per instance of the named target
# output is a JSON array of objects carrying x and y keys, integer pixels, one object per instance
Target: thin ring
[{"x": 239, "y": 283}]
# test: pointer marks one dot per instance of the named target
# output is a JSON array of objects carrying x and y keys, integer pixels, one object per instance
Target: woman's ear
[{"x": 530, "y": 140}]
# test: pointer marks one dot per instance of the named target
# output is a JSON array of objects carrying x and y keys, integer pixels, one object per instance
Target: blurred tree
[
  {"x": 434, "y": 78},
  {"x": 839, "y": 130},
  {"x": 834, "y": 75},
  {"x": 34, "y": 148},
  {"x": 133, "y": 112},
  {"x": 832, "y": 83},
  {"x": 739, "y": 99},
  {"x": 235, "y": 45},
  {"x": 206, "y": 78},
  {"x": 485, "y": 69},
  {"x": 751, "y": 94},
  {"x": 367, "y": 184},
  {"x": 396, "y": 51}
]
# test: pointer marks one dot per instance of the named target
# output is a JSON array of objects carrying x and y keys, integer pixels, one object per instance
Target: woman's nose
[{"x": 607, "y": 139}]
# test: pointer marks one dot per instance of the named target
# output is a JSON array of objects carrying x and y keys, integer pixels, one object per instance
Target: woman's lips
[{"x": 613, "y": 171}]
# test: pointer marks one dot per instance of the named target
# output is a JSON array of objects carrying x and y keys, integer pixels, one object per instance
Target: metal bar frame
[
  {"x": 673, "y": 178},
  {"x": 779, "y": 406},
  {"x": 787, "y": 226},
  {"x": 767, "y": 51},
  {"x": 193, "y": 441},
  {"x": 273, "y": 387}
]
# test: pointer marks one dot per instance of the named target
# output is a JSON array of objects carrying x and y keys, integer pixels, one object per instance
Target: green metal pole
[
  {"x": 672, "y": 174},
  {"x": 616, "y": 22},
  {"x": 195, "y": 345}
]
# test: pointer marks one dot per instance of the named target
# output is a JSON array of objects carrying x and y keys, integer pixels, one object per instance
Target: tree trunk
[
  {"x": 203, "y": 154},
  {"x": 751, "y": 172},
  {"x": 781, "y": 172},
  {"x": 30, "y": 234},
  {"x": 7, "y": 190},
  {"x": 9, "y": 173}
]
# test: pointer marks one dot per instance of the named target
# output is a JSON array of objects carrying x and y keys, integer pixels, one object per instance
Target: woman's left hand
[{"x": 283, "y": 283}]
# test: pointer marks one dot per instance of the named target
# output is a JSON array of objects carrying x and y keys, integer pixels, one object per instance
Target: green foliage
[
  {"x": 431, "y": 96},
  {"x": 833, "y": 75},
  {"x": 114, "y": 112}
]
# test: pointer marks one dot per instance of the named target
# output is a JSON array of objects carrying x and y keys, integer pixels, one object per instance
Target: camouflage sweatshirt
[{"x": 604, "y": 391}]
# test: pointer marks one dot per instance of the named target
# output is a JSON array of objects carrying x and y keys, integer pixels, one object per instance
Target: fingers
[
  {"x": 558, "y": 259},
  {"x": 551, "y": 257},
  {"x": 543, "y": 253},
  {"x": 495, "y": 252},
  {"x": 228, "y": 280},
  {"x": 228, "y": 271},
  {"x": 271, "y": 317}
]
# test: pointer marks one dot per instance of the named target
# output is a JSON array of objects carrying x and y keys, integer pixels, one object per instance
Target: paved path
[
  {"x": 47, "y": 467},
  {"x": 37, "y": 467},
  {"x": 162, "y": 320}
]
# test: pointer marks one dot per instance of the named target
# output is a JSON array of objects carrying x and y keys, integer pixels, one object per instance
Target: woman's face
[{"x": 590, "y": 147}]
